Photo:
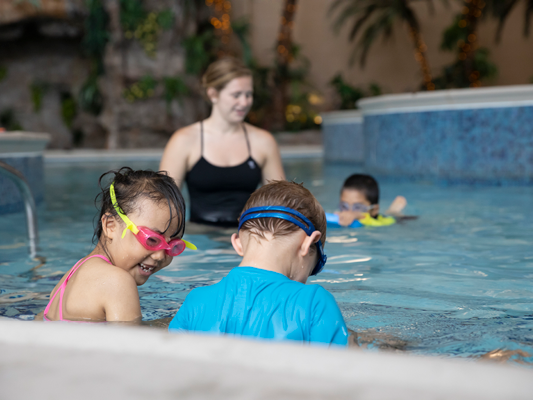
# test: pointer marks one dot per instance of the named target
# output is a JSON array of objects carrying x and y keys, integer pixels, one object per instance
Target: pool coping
[
  {"x": 155, "y": 154},
  {"x": 372, "y": 375}
]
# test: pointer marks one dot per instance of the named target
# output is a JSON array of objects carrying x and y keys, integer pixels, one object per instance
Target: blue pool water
[{"x": 457, "y": 281}]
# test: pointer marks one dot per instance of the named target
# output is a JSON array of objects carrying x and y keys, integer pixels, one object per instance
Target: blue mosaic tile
[
  {"x": 490, "y": 145},
  {"x": 32, "y": 169},
  {"x": 344, "y": 142}
]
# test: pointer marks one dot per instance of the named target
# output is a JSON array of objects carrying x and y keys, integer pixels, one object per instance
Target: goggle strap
[
  {"x": 129, "y": 224},
  {"x": 189, "y": 245},
  {"x": 259, "y": 212},
  {"x": 277, "y": 215},
  {"x": 270, "y": 212},
  {"x": 132, "y": 227}
]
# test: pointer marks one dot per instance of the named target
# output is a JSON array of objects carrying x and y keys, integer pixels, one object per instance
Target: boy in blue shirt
[{"x": 266, "y": 296}]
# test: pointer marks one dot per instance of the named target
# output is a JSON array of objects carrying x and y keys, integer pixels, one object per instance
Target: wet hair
[
  {"x": 364, "y": 184},
  {"x": 222, "y": 71},
  {"x": 130, "y": 187},
  {"x": 286, "y": 194}
]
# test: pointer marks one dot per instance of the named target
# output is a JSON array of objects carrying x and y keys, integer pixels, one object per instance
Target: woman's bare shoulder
[
  {"x": 260, "y": 136},
  {"x": 186, "y": 134}
]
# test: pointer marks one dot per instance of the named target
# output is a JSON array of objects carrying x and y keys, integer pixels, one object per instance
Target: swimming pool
[{"x": 457, "y": 281}]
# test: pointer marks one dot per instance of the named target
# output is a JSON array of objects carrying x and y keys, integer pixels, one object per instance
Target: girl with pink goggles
[{"x": 149, "y": 239}]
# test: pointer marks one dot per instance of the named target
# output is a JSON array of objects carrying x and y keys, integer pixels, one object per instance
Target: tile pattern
[
  {"x": 32, "y": 169},
  {"x": 343, "y": 142},
  {"x": 487, "y": 145}
]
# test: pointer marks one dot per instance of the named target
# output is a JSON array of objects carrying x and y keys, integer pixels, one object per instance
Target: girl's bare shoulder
[{"x": 104, "y": 276}]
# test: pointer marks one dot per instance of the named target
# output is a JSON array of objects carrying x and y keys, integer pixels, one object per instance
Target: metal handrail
[{"x": 29, "y": 204}]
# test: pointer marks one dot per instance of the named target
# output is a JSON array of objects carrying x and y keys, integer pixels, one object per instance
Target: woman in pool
[
  {"x": 142, "y": 220},
  {"x": 223, "y": 159}
]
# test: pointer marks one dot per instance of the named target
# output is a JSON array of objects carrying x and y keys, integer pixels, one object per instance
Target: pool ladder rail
[{"x": 29, "y": 205}]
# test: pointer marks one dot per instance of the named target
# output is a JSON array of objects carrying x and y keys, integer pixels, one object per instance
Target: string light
[
  {"x": 285, "y": 34},
  {"x": 420, "y": 57},
  {"x": 472, "y": 11},
  {"x": 221, "y": 21}
]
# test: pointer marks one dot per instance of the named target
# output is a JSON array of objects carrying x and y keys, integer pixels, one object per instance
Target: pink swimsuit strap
[{"x": 61, "y": 289}]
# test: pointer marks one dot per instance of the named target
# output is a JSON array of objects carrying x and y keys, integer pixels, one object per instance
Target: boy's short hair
[
  {"x": 365, "y": 184},
  {"x": 286, "y": 194}
]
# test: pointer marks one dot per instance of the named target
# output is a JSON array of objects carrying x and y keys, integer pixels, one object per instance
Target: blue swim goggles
[{"x": 279, "y": 212}]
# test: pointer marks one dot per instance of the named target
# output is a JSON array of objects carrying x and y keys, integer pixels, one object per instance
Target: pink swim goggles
[{"x": 149, "y": 239}]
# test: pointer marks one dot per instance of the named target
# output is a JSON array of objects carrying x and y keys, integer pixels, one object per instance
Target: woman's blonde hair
[{"x": 222, "y": 71}]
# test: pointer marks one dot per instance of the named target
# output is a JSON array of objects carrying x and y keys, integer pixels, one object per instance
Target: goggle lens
[
  {"x": 153, "y": 241},
  {"x": 343, "y": 206},
  {"x": 177, "y": 246}
]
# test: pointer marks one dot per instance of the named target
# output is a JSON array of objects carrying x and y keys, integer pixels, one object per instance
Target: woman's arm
[
  {"x": 175, "y": 156},
  {"x": 272, "y": 167}
]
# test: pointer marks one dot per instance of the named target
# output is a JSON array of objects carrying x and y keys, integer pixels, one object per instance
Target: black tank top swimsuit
[{"x": 218, "y": 194}]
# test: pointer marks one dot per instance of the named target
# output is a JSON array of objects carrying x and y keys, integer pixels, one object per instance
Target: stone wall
[{"x": 48, "y": 51}]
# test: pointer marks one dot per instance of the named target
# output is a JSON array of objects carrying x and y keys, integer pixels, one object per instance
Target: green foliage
[
  {"x": 349, "y": 95},
  {"x": 375, "y": 90},
  {"x": 241, "y": 28},
  {"x": 301, "y": 112},
  {"x": 175, "y": 89},
  {"x": 3, "y": 73},
  {"x": 38, "y": 89},
  {"x": 454, "y": 76},
  {"x": 165, "y": 19},
  {"x": 453, "y": 35},
  {"x": 9, "y": 121},
  {"x": 69, "y": 108},
  {"x": 132, "y": 14},
  {"x": 199, "y": 52},
  {"x": 142, "y": 25},
  {"x": 90, "y": 98},
  {"x": 141, "y": 90},
  {"x": 96, "y": 33}
]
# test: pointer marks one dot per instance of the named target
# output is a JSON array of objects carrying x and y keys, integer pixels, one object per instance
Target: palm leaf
[
  {"x": 360, "y": 22},
  {"x": 501, "y": 10}
]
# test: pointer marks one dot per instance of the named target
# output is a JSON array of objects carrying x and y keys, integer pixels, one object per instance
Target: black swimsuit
[{"x": 218, "y": 194}]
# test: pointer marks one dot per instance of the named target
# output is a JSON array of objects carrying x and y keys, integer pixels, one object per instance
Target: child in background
[
  {"x": 142, "y": 220},
  {"x": 359, "y": 204},
  {"x": 282, "y": 231}
]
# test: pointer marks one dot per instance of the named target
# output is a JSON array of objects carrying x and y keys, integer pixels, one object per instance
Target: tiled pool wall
[
  {"x": 466, "y": 145},
  {"x": 469, "y": 135},
  {"x": 31, "y": 166},
  {"x": 343, "y": 137}
]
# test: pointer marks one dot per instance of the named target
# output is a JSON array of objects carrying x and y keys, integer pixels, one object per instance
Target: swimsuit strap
[
  {"x": 61, "y": 289},
  {"x": 201, "y": 138},
  {"x": 247, "y": 141}
]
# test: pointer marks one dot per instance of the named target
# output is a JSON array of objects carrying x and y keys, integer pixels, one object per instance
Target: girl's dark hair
[{"x": 131, "y": 186}]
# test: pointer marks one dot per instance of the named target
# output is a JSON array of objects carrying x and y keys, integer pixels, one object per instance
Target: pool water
[{"x": 457, "y": 281}]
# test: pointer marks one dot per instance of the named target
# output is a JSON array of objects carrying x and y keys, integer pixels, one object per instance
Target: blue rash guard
[{"x": 263, "y": 304}]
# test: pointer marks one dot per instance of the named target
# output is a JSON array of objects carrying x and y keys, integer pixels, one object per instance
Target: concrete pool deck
[{"x": 83, "y": 361}]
